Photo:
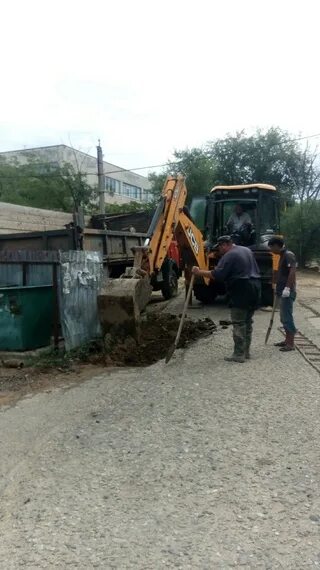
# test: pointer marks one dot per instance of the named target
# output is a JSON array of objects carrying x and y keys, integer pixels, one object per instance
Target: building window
[
  {"x": 131, "y": 191},
  {"x": 146, "y": 196},
  {"x": 42, "y": 168},
  {"x": 112, "y": 185}
]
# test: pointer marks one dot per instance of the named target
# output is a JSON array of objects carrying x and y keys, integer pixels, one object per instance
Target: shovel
[
  {"x": 275, "y": 301},
  {"x": 185, "y": 307}
]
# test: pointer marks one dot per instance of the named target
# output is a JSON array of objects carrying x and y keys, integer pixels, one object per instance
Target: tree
[
  {"x": 196, "y": 165},
  {"x": 199, "y": 168},
  {"x": 301, "y": 228},
  {"x": 157, "y": 183},
  {"x": 43, "y": 185},
  {"x": 305, "y": 174},
  {"x": 266, "y": 157},
  {"x": 301, "y": 222},
  {"x": 130, "y": 207}
]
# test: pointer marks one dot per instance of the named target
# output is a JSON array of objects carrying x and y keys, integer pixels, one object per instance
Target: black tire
[
  {"x": 266, "y": 295},
  {"x": 206, "y": 294},
  {"x": 169, "y": 287}
]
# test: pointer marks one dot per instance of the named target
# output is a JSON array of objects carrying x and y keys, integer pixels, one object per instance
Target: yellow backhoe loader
[{"x": 122, "y": 300}]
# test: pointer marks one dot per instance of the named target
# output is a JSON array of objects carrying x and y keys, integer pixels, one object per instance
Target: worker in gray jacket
[{"x": 238, "y": 269}]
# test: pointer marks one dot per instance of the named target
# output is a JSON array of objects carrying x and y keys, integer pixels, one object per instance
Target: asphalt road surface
[{"x": 198, "y": 464}]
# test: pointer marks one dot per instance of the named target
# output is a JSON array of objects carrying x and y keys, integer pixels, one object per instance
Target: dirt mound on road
[
  {"x": 158, "y": 332},
  {"x": 157, "y": 335}
]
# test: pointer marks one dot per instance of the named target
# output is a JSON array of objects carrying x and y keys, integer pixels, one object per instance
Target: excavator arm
[
  {"x": 122, "y": 300},
  {"x": 171, "y": 222},
  {"x": 190, "y": 241},
  {"x": 163, "y": 226}
]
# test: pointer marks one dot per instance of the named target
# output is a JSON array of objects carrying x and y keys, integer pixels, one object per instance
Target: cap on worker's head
[
  {"x": 276, "y": 241},
  {"x": 221, "y": 240}
]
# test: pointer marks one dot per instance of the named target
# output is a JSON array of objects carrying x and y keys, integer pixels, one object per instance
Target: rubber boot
[
  {"x": 289, "y": 343},
  {"x": 235, "y": 358},
  {"x": 282, "y": 343}
]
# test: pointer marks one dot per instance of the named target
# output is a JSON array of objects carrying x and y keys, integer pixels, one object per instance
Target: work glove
[{"x": 286, "y": 292}]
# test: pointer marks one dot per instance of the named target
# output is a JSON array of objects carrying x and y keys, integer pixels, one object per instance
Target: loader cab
[
  {"x": 258, "y": 206},
  {"x": 226, "y": 206}
]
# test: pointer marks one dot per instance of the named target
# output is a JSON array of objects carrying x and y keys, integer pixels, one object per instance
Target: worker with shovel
[
  {"x": 285, "y": 291},
  {"x": 238, "y": 269}
]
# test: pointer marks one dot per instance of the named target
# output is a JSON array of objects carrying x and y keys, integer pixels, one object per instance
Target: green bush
[
  {"x": 300, "y": 226},
  {"x": 130, "y": 207}
]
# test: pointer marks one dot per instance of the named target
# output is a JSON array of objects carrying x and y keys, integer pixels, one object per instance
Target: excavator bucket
[{"x": 120, "y": 303}]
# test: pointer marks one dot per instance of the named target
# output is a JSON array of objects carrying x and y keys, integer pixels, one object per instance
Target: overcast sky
[{"x": 147, "y": 77}]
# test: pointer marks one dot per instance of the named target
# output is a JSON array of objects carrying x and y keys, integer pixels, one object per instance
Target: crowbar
[
  {"x": 185, "y": 307},
  {"x": 275, "y": 302}
]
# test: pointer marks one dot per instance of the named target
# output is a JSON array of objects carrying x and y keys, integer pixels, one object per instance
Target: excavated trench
[{"x": 158, "y": 332}]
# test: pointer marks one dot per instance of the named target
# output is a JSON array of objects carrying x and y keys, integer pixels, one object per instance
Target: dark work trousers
[{"x": 242, "y": 320}]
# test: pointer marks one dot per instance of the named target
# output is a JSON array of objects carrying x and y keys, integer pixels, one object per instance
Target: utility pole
[{"x": 101, "y": 180}]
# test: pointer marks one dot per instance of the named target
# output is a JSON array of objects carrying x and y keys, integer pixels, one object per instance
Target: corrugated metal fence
[{"x": 79, "y": 280}]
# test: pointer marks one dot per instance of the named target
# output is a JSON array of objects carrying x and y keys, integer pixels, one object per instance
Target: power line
[
  {"x": 53, "y": 175},
  {"x": 205, "y": 158},
  {"x": 301, "y": 138},
  {"x": 170, "y": 163}
]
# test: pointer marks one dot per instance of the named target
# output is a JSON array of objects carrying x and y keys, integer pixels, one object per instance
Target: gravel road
[{"x": 198, "y": 464}]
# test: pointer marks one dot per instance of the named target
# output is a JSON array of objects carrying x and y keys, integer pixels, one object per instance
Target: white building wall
[{"x": 121, "y": 186}]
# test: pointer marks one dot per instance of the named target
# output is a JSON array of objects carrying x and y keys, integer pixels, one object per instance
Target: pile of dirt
[{"x": 158, "y": 332}]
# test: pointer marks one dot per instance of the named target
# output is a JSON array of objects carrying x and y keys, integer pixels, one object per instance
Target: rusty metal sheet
[{"x": 80, "y": 281}]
